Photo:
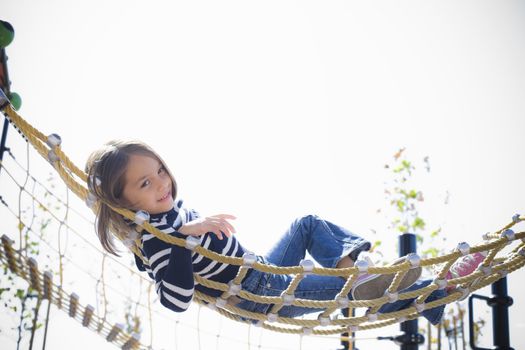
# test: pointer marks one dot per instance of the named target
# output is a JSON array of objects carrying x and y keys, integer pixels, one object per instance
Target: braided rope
[{"x": 75, "y": 179}]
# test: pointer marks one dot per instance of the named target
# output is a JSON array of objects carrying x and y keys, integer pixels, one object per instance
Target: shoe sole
[{"x": 376, "y": 286}]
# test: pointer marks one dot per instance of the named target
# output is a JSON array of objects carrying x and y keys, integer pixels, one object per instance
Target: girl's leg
[
  {"x": 315, "y": 287},
  {"x": 326, "y": 242},
  {"x": 331, "y": 246},
  {"x": 432, "y": 315}
]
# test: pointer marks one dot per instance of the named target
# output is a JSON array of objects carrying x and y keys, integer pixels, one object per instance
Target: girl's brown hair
[{"x": 106, "y": 168}]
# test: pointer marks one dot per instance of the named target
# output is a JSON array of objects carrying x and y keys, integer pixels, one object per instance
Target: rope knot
[
  {"x": 141, "y": 216},
  {"x": 54, "y": 140},
  {"x": 248, "y": 259}
]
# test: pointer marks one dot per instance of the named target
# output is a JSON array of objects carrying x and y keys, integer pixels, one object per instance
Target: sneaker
[
  {"x": 465, "y": 265},
  {"x": 373, "y": 286}
]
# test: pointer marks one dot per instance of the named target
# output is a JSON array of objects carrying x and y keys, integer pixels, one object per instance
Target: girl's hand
[{"x": 217, "y": 224}]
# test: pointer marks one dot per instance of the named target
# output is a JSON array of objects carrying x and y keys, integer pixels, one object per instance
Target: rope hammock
[{"x": 493, "y": 268}]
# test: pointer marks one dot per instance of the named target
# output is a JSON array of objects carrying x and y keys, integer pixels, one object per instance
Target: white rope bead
[
  {"x": 353, "y": 328},
  {"x": 342, "y": 302},
  {"x": 192, "y": 242},
  {"x": 420, "y": 307},
  {"x": 362, "y": 265},
  {"x": 54, "y": 140},
  {"x": 307, "y": 331},
  {"x": 94, "y": 181},
  {"x": 248, "y": 259},
  {"x": 372, "y": 317},
  {"x": 288, "y": 299},
  {"x": 141, "y": 216},
  {"x": 487, "y": 270},
  {"x": 413, "y": 259},
  {"x": 464, "y": 293},
  {"x": 221, "y": 303},
  {"x": 401, "y": 319},
  {"x": 91, "y": 200},
  {"x": 259, "y": 323},
  {"x": 324, "y": 321},
  {"x": 508, "y": 234},
  {"x": 234, "y": 289},
  {"x": 503, "y": 273},
  {"x": 52, "y": 156},
  {"x": 391, "y": 296},
  {"x": 272, "y": 317},
  {"x": 441, "y": 283},
  {"x": 211, "y": 306},
  {"x": 136, "y": 335},
  {"x": 463, "y": 248},
  {"x": 307, "y": 265},
  {"x": 516, "y": 218}
]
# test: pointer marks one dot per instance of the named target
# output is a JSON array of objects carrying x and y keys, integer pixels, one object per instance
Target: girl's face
[{"x": 147, "y": 185}]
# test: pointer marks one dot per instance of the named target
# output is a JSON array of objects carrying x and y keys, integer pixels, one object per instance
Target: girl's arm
[{"x": 171, "y": 265}]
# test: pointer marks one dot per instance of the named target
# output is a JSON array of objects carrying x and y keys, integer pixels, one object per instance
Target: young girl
[{"x": 129, "y": 174}]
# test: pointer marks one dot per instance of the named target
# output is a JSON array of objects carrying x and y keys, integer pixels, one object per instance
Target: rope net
[
  {"x": 42, "y": 283},
  {"x": 497, "y": 264}
]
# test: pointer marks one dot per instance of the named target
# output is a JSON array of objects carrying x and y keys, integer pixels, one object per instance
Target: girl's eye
[
  {"x": 161, "y": 170},
  {"x": 144, "y": 184}
]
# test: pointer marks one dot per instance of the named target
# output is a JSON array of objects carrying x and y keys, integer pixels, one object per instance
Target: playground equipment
[{"x": 494, "y": 268}]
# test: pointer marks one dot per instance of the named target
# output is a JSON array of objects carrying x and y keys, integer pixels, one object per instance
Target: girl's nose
[{"x": 162, "y": 182}]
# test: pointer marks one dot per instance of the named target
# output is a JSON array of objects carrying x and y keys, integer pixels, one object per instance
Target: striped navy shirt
[{"x": 173, "y": 267}]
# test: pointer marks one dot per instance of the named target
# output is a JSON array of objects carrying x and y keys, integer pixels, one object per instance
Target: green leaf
[
  {"x": 418, "y": 223},
  {"x": 433, "y": 252},
  {"x": 375, "y": 245},
  {"x": 20, "y": 293}
]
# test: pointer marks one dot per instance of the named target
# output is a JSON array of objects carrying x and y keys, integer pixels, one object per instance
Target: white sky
[{"x": 270, "y": 110}]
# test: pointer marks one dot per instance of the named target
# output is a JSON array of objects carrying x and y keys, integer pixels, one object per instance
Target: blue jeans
[{"x": 327, "y": 243}]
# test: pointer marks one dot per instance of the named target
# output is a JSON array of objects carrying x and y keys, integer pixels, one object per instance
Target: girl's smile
[{"x": 165, "y": 197}]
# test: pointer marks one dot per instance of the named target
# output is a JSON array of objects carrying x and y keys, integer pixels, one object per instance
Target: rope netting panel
[
  {"x": 500, "y": 260},
  {"x": 42, "y": 283}
]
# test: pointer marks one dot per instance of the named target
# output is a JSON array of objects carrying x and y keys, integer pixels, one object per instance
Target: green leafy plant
[
  {"x": 16, "y": 295},
  {"x": 405, "y": 198}
]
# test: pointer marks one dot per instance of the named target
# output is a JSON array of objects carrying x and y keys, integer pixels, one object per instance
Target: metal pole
[
  {"x": 3, "y": 148},
  {"x": 347, "y": 343},
  {"x": 410, "y": 338},
  {"x": 500, "y": 303},
  {"x": 344, "y": 336},
  {"x": 5, "y": 90}
]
